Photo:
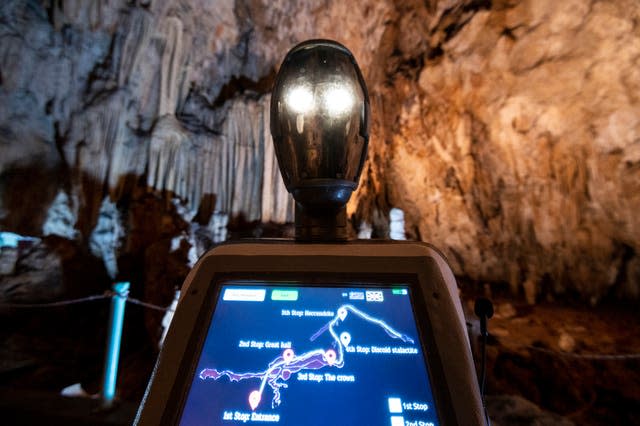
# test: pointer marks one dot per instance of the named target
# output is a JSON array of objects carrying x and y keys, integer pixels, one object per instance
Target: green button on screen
[{"x": 290, "y": 295}]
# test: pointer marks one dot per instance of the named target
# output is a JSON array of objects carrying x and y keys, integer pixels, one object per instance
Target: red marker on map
[
  {"x": 287, "y": 355},
  {"x": 254, "y": 399},
  {"x": 330, "y": 356}
]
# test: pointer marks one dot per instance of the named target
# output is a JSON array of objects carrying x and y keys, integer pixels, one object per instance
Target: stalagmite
[
  {"x": 396, "y": 224},
  {"x": 106, "y": 238},
  {"x": 62, "y": 217}
]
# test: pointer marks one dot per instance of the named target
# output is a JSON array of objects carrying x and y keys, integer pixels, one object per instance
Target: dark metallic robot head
[{"x": 320, "y": 128}]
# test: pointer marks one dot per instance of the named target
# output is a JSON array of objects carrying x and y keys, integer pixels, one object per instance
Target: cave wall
[
  {"x": 507, "y": 131},
  {"x": 517, "y": 150}
]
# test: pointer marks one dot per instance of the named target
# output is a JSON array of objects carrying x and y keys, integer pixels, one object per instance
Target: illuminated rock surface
[
  {"x": 517, "y": 150},
  {"x": 508, "y": 132}
]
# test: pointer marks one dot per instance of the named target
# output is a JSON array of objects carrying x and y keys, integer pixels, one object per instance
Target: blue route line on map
[{"x": 311, "y": 360}]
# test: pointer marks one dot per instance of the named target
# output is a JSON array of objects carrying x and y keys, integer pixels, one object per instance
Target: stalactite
[
  {"x": 229, "y": 166},
  {"x": 245, "y": 136},
  {"x": 92, "y": 15},
  {"x": 136, "y": 30},
  {"x": 277, "y": 204},
  {"x": 171, "y": 65}
]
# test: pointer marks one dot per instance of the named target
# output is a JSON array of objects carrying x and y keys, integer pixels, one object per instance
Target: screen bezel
[{"x": 431, "y": 356}]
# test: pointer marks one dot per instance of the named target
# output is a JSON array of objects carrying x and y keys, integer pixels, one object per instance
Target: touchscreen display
[{"x": 298, "y": 355}]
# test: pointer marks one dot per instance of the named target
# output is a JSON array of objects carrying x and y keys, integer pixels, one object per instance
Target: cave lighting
[
  {"x": 300, "y": 99},
  {"x": 334, "y": 99},
  {"x": 337, "y": 99}
]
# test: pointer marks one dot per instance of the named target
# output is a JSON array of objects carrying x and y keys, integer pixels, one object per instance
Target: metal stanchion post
[{"x": 116, "y": 320}]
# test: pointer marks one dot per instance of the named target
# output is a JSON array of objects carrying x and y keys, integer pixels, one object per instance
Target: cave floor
[{"x": 578, "y": 362}]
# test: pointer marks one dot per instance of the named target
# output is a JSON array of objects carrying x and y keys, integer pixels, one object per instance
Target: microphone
[{"x": 484, "y": 310}]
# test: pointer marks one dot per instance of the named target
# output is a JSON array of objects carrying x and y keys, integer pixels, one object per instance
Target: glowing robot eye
[
  {"x": 338, "y": 100},
  {"x": 299, "y": 99}
]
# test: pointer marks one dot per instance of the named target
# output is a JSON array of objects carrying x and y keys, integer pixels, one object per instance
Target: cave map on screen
[{"x": 311, "y": 356}]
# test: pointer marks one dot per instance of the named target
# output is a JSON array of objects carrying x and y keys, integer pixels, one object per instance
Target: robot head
[{"x": 320, "y": 124}]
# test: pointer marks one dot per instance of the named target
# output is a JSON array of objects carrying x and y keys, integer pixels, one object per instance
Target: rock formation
[
  {"x": 516, "y": 150},
  {"x": 507, "y": 131}
]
